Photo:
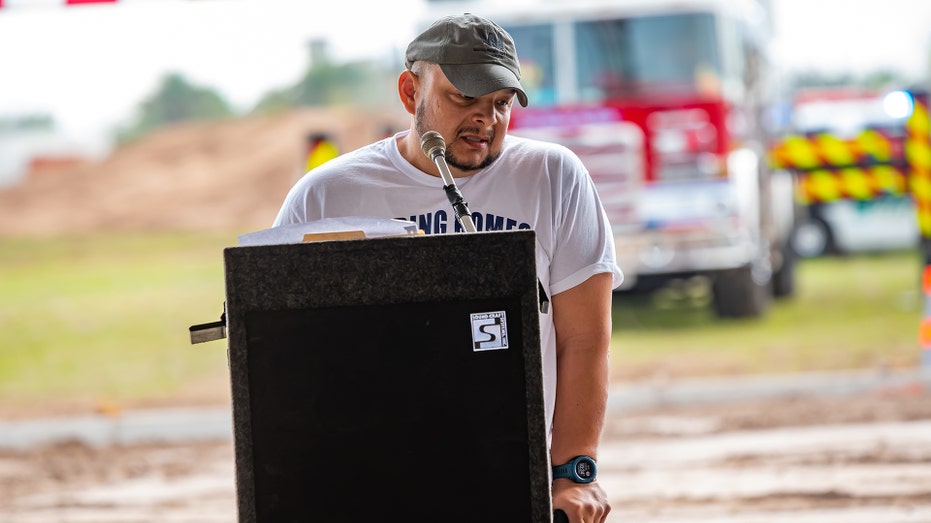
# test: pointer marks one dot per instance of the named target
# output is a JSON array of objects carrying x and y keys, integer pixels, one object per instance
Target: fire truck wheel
[
  {"x": 812, "y": 238},
  {"x": 784, "y": 275},
  {"x": 737, "y": 294}
]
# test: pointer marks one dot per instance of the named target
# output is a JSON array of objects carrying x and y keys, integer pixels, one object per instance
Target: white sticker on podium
[{"x": 489, "y": 331}]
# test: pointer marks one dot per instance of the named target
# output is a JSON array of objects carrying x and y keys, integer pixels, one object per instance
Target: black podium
[{"x": 388, "y": 379}]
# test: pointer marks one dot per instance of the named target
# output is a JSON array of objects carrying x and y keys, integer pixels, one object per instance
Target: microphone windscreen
[{"x": 432, "y": 144}]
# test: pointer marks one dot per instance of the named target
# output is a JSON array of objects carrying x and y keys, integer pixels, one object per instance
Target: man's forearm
[
  {"x": 583, "y": 332},
  {"x": 581, "y": 399}
]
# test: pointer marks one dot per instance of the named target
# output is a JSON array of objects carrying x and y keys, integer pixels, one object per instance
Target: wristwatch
[{"x": 580, "y": 469}]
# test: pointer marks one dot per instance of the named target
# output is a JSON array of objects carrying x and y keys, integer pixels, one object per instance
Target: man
[{"x": 461, "y": 80}]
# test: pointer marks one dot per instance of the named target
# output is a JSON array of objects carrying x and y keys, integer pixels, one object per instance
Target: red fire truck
[{"x": 664, "y": 102}]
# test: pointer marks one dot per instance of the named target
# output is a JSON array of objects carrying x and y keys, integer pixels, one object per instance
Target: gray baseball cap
[{"x": 476, "y": 55}]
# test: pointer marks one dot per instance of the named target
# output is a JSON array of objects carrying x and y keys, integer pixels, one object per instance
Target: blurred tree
[
  {"x": 803, "y": 79},
  {"x": 275, "y": 102},
  {"x": 364, "y": 83},
  {"x": 885, "y": 79},
  {"x": 174, "y": 101},
  {"x": 361, "y": 83},
  {"x": 874, "y": 79},
  {"x": 27, "y": 122}
]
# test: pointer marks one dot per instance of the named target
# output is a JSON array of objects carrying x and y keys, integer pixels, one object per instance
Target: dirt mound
[{"x": 229, "y": 175}]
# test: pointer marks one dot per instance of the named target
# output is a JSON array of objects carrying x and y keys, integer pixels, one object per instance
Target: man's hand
[{"x": 582, "y": 502}]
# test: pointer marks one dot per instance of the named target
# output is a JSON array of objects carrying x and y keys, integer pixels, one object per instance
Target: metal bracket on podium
[{"x": 204, "y": 332}]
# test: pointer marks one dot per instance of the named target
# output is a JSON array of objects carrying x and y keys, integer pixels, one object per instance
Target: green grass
[
  {"x": 106, "y": 317},
  {"x": 852, "y": 312}
]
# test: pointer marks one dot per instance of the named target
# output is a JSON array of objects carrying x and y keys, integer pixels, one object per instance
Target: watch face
[{"x": 584, "y": 469}]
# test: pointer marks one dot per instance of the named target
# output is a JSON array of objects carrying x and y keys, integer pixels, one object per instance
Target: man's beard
[{"x": 451, "y": 160}]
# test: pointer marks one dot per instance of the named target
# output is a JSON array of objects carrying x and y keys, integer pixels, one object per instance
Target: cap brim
[{"x": 480, "y": 79}]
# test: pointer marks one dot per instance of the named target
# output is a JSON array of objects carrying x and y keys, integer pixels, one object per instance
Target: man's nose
[{"x": 485, "y": 113}]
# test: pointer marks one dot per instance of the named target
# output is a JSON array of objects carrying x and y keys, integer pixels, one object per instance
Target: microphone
[{"x": 434, "y": 147}]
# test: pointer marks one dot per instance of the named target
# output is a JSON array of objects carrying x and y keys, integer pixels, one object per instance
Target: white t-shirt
[{"x": 532, "y": 185}]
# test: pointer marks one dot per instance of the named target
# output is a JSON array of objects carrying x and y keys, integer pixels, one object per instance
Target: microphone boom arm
[{"x": 434, "y": 147}]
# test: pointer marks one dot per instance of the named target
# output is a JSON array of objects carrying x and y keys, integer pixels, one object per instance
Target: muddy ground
[{"x": 865, "y": 458}]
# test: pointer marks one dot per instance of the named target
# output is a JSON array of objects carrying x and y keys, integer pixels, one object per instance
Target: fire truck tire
[
  {"x": 812, "y": 238},
  {"x": 784, "y": 276},
  {"x": 736, "y": 294}
]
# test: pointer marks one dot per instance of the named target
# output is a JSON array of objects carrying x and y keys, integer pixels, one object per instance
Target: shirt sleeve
[{"x": 584, "y": 239}]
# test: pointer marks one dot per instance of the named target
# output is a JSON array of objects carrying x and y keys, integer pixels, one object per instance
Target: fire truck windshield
[{"x": 617, "y": 58}]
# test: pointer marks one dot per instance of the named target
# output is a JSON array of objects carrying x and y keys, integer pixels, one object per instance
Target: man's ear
[{"x": 408, "y": 83}]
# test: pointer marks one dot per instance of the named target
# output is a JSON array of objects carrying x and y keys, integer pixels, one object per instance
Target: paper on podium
[{"x": 349, "y": 227}]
